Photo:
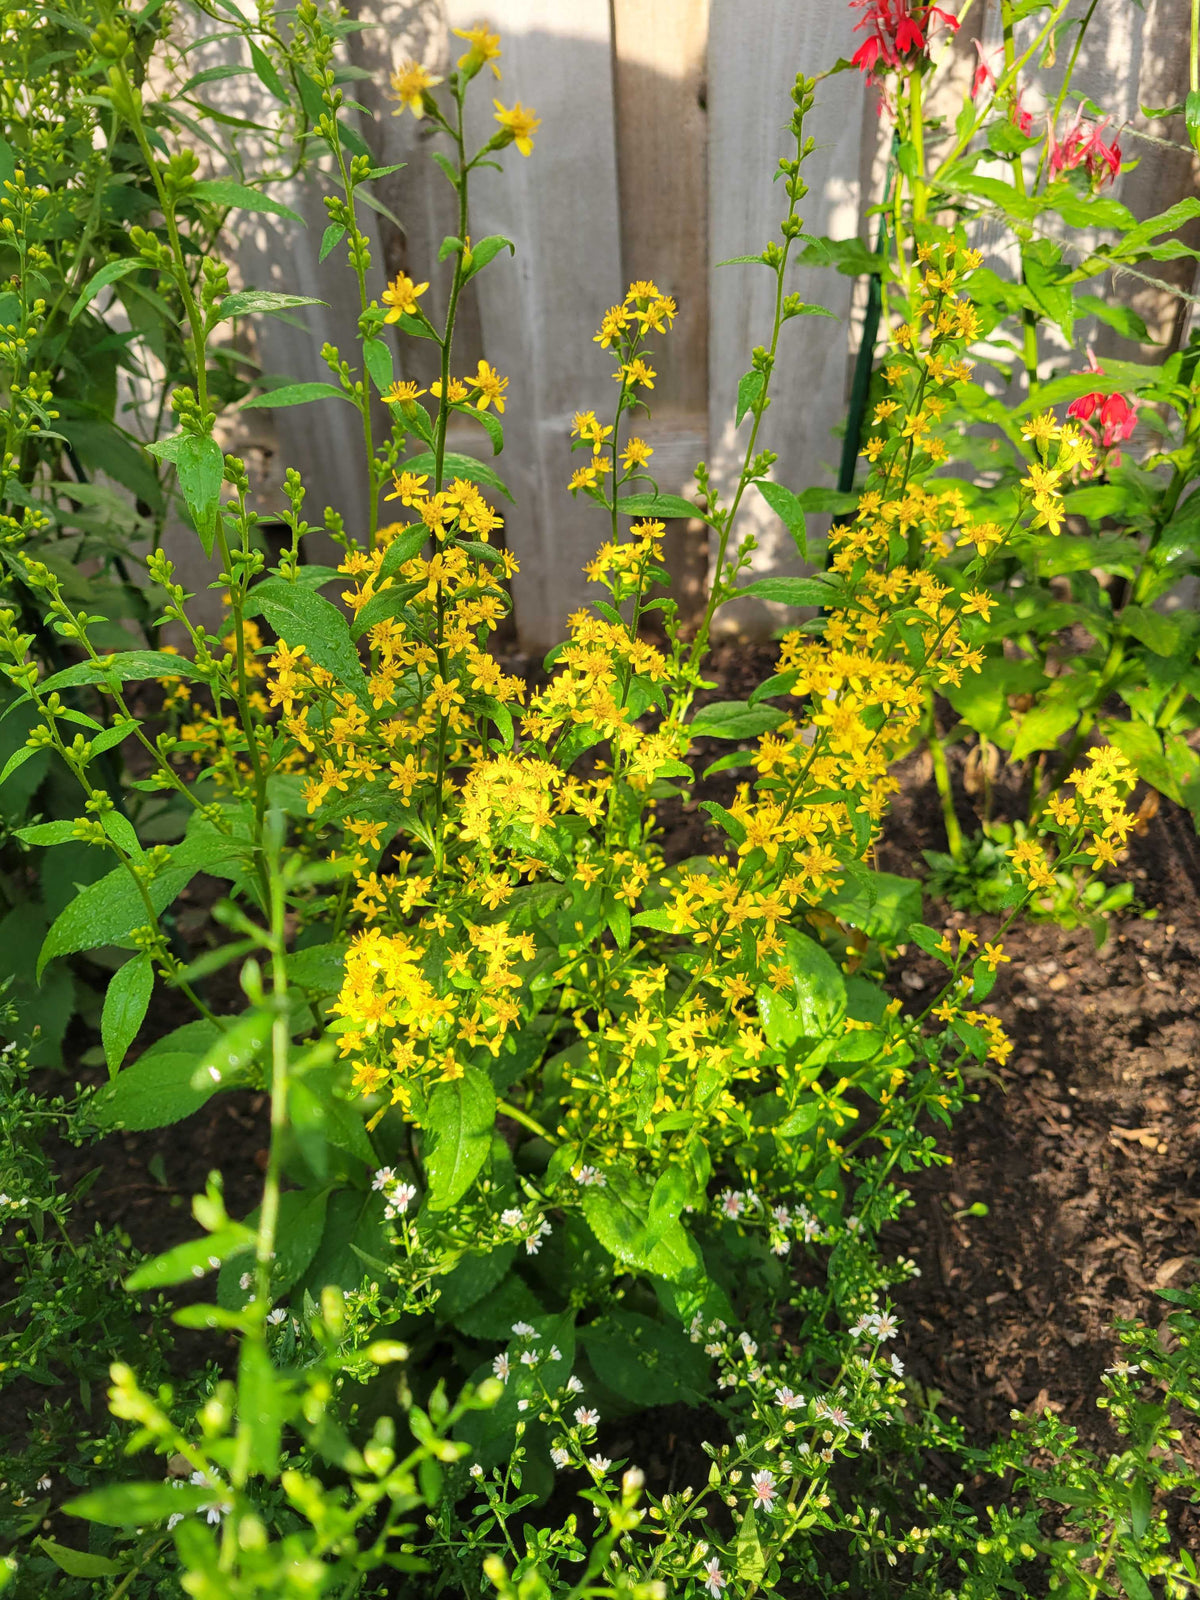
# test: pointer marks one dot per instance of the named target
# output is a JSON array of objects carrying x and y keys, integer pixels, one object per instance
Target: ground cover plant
[{"x": 560, "y": 1130}]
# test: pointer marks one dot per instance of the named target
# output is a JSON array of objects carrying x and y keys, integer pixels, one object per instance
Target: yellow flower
[
  {"x": 520, "y": 124},
  {"x": 491, "y": 388},
  {"x": 992, "y": 955},
  {"x": 409, "y": 487},
  {"x": 979, "y": 600},
  {"x": 400, "y": 392},
  {"x": 485, "y": 47},
  {"x": 401, "y": 297},
  {"x": 636, "y": 454},
  {"x": 409, "y": 85},
  {"x": 457, "y": 389}
]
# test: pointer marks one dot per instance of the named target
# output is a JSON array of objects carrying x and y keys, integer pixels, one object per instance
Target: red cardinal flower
[
  {"x": 1082, "y": 145},
  {"x": 899, "y": 31},
  {"x": 1116, "y": 414},
  {"x": 984, "y": 77}
]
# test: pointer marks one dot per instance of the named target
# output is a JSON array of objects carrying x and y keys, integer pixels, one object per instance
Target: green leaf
[
  {"x": 193, "y": 1259},
  {"x": 390, "y": 603},
  {"x": 333, "y": 234},
  {"x": 294, "y": 394},
  {"x": 819, "y": 998},
  {"x": 645, "y": 1361},
  {"x": 491, "y": 425},
  {"x": 298, "y": 1236},
  {"x": 788, "y": 507},
  {"x": 402, "y": 548},
  {"x": 790, "y": 591},
  {"x": 456, "y": 465},
  {"x": 733, "y": 719},
  {"x": 232, "y": 1051},
  {"x": 1132, "y": 1580},
  {"x": 224, "y": 192},
  {"x": 123, "y": 666},
  {"x": 18, "y": 759},
  {"x": 1123, "y": 318},
  {"x": 659, "y": 507},
  {"x": 748, "y": 1551},
  {"x": 749, "y": 393},
  {"x": 157, "y": 1089},
  {"x": 110, "y": 272},
  {"x": 48, "y": 833},
  {"x": 108, "y": 911},
  {"x": 619, "y": 1213},
  {"x": 201, "y": 468},
  {"x": 261, "y": 1395},
  {"x": 459, "y": 1123},
  {"x": 137, "y": 1505},
  {"x": 125, "y": 1003},
  {"x": 1191, "y": 115},
  {"x": 1160, "y": 634},
  {"x": 301, "y": 617},
  {"x": 1140, "y": 1507},
  {"x": 247, "y": 301},
  {"x": 485, "y": 250},
  {"x": 267, "y": 74},
  {"x": 79, "y": 1563},
  {"x": 377, "y": 358}
]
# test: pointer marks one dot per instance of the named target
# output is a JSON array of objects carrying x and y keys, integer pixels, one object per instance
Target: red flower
[
  {"x": 1022, "y": 118},
  {"x": 899, "y": 30},
  {"x": 1083, "y": 146},
  {"x": 1115, "y": 414},
  {"x": 984, "y": 77}
]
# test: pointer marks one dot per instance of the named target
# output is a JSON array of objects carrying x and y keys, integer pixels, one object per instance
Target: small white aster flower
[
  {"x": 555, "y": 1353},
  {"x": 402, "y": 1197},
  {"x": 886, "y": 1325},
  {"x": 44, "y": 1483},
  {"x": 384, "y": 1178},
  {"x": 763, "y": 1484},
  {"x": 530, "y": 1358},
  {"x": 574, "y": 1385},
  {"x": 476, "y": 1470},
  {"x": 522, "y": 1405},
  {"x": 586, "y": 1416},
  {"x": 787, "y": 1399},
  {"x": 511, "y": 1218},
  {"x": 714, "y": 1579},
  {"x": 897, "y": 1365},
  {"x": 599, "y": 1463},
  {"x": 732, "y": 1203},
  {"x": 246, "y": 1282},
  {"x": 561, "y": 1458},
  {"x": 534, "y": 1242},
  {"x": 864, "y": 1438},
  {"x": 501, "y": 1366},
  {"x": 277, "y": 1316},
  {"x": 523, "y": 1330}
]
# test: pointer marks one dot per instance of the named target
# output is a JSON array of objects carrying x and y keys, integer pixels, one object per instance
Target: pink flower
[
  {"x": 714, "y": 1579},
  {"x": 1083, "y": 146},
  {"x": 1022, "y": 119}
]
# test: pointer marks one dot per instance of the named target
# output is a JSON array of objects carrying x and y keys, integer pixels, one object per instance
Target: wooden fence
[{"x": 661, "y": 124}]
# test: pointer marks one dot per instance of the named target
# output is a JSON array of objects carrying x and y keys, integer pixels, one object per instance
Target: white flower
[
  {"x": 865, "y": 1324},
  {"x": 218, "y": 1508},
  {"x": 732, "y": 1203},
  {"x": 555, "y": 1353},
  {"x": 511, "y": 1218},
  {"x": 586, "y": 1417},
  {"x": 384, "y": 1178},
  {"x": 523, "y": 1330},
  {"x": 787, "y": 1399},
  {"x": 561, "y": 1458},
  {"x": 782, "y": 1216},
  {"x": 501, "y": 1366},
  {"x": 530, "y": 1358},
  {"x": 277, "y": 1316},
  {"x": 522, "y": 1405},
  {"x": 44, "y": 1483},
  {"x": 246, "y": 1282},
  {"x": 633, "y": 1479},
  {"x": 476, "y": 1470},
  {"x": 781, "y": 1247},
  {"x": 886, "y": 1325},
  {"x": 763, "y": 1484},
  {"x": 599, "y": 1464},
  {"x": 1122, "y": 1369},
  {"x": 714, "y": 1350},
  {"x": 403, "y": 1197},
  {"x": 714, "y": 1579},
  {"x": 534, "y": 1242},
  {"x": 864, "y": 1438},
  {"x": 174, "y": 1519},
  {"x": 574, "y": 1385},
  {"x": 589, "y": 1177},
  {"x": 747, "y": 1344},
  {"x": 897, "y": 1365}
]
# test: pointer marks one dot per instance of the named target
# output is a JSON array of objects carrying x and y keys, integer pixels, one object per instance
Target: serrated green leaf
[
  {"x": 301, "y": 617},
  {"x": 485, "y": 250},
  {"x": 248, "y": 301},
  {"x": 658, "y": 507},
  {"x": 790, "y": 591},
  {"x": 156, "y": 1090},
  {"x": 123, "y": 666},
  {"x": 787, "y": 506},
  {"x": 749, "y": 393}
]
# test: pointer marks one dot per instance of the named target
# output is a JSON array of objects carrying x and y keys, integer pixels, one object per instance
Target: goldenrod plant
[{"x": 554, "y": 1120}]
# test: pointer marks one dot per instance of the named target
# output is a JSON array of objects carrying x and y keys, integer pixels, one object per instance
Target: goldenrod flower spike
[{"x": 409, "y": 84}]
